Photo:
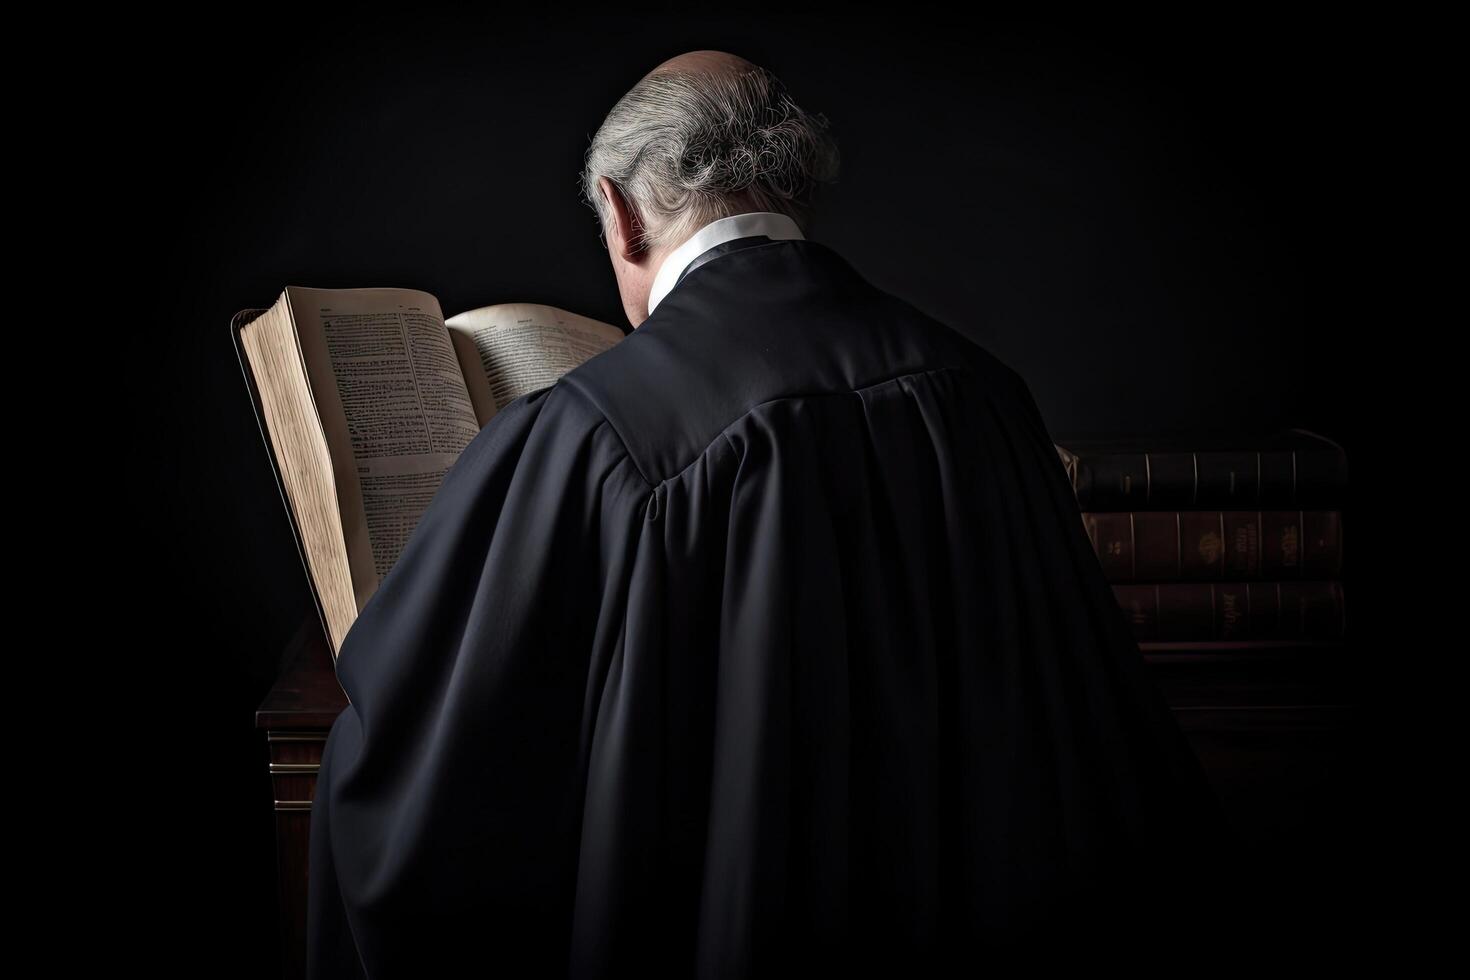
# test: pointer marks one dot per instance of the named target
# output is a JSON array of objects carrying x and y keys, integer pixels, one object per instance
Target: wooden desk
[
  {"x": 1265, "y": 724},
  {"x": 296, "y": 716}
]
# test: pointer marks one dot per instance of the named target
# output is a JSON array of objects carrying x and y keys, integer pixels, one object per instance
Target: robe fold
[{"x": 768, "y": 640}]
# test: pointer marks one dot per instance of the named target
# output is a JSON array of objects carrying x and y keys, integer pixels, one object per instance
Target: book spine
[
  {"x": 1144, "y": 480},
  {"x": 1216, "y": 545},
  {"x": 1234, "y": 611}
]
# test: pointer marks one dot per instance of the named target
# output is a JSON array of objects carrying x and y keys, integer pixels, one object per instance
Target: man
[{"x": 768, "y": 640}]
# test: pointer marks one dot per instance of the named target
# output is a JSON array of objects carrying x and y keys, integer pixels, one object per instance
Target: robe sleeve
[{"x": 448, "y": 802}]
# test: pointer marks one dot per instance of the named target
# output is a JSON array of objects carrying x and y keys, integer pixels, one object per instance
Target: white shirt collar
[{"x": 772, "y": 223}]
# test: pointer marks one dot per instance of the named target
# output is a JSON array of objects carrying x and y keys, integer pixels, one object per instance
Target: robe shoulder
[{"x": 786, "y": 320}]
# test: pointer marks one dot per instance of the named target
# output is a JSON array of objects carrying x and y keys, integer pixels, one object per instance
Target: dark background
[{"x": 1144, "y": 217}]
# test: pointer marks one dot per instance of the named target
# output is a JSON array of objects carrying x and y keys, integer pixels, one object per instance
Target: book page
[
  {"x": 510, "y": 349},
  {"x": 287, "y": 413},
  {"x": 394, "y": 408}
]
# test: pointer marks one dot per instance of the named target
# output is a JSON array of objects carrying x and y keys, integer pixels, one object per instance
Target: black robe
[{"x": 769, "y": 638}]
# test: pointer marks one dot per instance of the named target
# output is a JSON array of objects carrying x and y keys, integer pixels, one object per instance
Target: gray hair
[{"x": 687, "y": 148}]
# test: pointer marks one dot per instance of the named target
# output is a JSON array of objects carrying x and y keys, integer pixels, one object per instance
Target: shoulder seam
[
  {"x": 572, "y": 385},
  {"x": 723, "y": 433}
]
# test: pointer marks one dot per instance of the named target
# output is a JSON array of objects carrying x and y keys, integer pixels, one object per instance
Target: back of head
[{"x": 704, "y": 136}]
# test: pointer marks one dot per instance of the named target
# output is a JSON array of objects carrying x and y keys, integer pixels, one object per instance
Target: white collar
[{"x": 772, "y": 223}]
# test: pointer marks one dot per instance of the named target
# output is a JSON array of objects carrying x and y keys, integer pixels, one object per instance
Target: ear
[{"x": 626, "y": 232}]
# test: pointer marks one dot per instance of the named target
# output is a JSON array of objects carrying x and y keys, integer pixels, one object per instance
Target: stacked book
[
  {"x": 1217, "y": 543},
  {"x": 1225, "y": 553}
]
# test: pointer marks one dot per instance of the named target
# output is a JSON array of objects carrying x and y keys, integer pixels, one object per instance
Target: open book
[{"x": 366, "y": 397}]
